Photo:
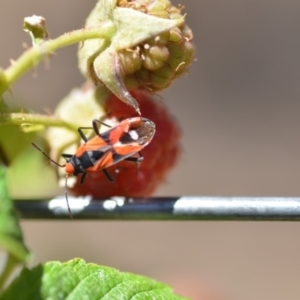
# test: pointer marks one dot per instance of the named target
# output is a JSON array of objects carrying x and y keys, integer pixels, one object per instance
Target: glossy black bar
[{"x": 164, "y": 208}]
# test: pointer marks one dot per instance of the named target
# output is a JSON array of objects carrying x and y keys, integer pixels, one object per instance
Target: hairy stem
[
  {"x": 35, "y": 54},
  {"x": 21, "y": 119}
]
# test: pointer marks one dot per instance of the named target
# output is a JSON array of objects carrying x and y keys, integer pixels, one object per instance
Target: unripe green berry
[{"x": 149, "y": 48}]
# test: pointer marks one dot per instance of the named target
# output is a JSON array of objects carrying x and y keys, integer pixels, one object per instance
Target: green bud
[{"x": 36, "y": 27}]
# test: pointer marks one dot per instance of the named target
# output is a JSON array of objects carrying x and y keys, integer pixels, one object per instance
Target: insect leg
[
  {"x": 108, "y": 176},
  {"x": 82, "y": 135},
  {"x": 95, "y": 121},
  {"x": 67, "y": 199},
  {"x": 136, "y": 160},
  {"x": 95, "y": 127},
  {"x": 82, "y": 178},
  {"x": 66, "y": 156}
]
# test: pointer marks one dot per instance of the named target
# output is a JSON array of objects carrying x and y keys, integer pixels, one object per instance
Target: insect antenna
[
  {"x": 66, "y": 181},
  {"x": 53, "y": 161},
  {"x": 67, "y": 199}
]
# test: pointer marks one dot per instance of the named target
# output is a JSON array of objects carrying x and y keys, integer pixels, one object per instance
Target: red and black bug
[{"x": 121, "y": 142}]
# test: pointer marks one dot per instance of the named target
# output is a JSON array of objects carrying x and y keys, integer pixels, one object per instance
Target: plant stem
[
  {"x": 35, "y": 54},
  {"x": 10, "y": 265},
  {"x": 21, "y": 119}
]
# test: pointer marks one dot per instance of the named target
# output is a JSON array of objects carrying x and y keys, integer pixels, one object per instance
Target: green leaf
[
  {"x": 13, "y": 142},
  {"x": 12, "y": 139},
  {"x": 31, "y": 176},
  {"x": 76, "y": 279},
  {"x": 11, "y": 238}
]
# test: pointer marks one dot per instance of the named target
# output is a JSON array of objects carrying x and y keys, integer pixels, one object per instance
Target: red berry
[{"x": 159, "y": 156}]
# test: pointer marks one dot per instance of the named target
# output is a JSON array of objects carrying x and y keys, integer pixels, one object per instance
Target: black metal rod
[{"x": 164, "y": 208}]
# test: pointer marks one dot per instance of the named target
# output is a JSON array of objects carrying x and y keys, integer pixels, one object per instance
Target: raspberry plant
[{"x": 128, "y": 51}]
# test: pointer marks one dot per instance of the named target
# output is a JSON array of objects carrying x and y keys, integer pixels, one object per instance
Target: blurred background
[{"x": 239, "y": 111}]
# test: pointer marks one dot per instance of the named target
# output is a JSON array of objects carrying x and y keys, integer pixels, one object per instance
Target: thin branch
[
  {"x": 35, "y": 54},
  {"x": 26, "y": 120}
]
